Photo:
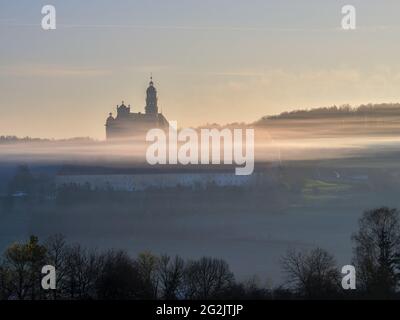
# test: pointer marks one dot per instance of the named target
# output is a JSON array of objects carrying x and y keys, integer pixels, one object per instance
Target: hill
[{"x": 344, "y": 111}]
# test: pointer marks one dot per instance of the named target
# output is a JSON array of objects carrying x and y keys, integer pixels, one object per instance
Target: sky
[{"x": 213, "y": 61}]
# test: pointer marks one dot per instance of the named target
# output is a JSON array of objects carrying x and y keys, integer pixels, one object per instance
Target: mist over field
[
  {"x": 199, "y": 150},
  {"x": 321, "y": 175}
]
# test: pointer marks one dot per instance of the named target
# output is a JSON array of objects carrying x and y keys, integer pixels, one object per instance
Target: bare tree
[
  {"x": 119, "y": 279},
  {"x": 207, "y": 278},
  {"x": 147, "y": 264},
  {"x": 5, "y": 282},
  {"x": 57, "y": 250},
  {"x": 82, "y": 268},
  {"x": 376, "y": 251},
  {"x": 312, "y": 274},
  {"x": 171, "y": 273}
]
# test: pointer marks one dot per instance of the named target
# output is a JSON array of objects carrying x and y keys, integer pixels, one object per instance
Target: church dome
[
  {"x": 122, "y": 106},
  {"x": 110, "y": 118}
]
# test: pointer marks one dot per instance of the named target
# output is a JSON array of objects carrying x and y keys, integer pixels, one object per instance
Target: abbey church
[{"x": 128, "y": 124}]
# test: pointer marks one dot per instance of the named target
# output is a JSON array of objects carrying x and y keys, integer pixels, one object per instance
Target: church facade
[{"x": 127, "y": 124}]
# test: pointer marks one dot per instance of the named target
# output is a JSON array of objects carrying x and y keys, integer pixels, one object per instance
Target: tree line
[
  {"x": 365, "y": 110},
  {"x": 314, "y": 274},
  {"x": 11, "y": 139}
]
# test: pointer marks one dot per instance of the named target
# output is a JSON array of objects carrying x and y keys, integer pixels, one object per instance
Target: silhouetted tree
[
  {"x": 57, "y": 250},
  {"x": 376, "y": 252},
  {"x": 147, "y": 264},
  {"x": 119, "y": 279},
  {"x": 254, "y": 290},
  {"x": 312, "y": 274},
  {"x": 82, "y": 267},
  {"x": 24, "y": 263},
  {"x": 250, "y": 289},
  {"x": 5, "y": 282},
  {"x": 171, "y": 276},
  {"x": 207, "y": 278}
]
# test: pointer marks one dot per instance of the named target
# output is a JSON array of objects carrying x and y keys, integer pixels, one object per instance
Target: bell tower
[{"x": 151, "y": 98}]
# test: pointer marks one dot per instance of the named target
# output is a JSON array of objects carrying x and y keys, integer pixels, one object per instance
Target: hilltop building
[{"x": 128, "y": 124}]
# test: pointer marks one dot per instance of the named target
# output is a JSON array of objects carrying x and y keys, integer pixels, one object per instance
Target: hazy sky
[{"x": 212, "y": 60}]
